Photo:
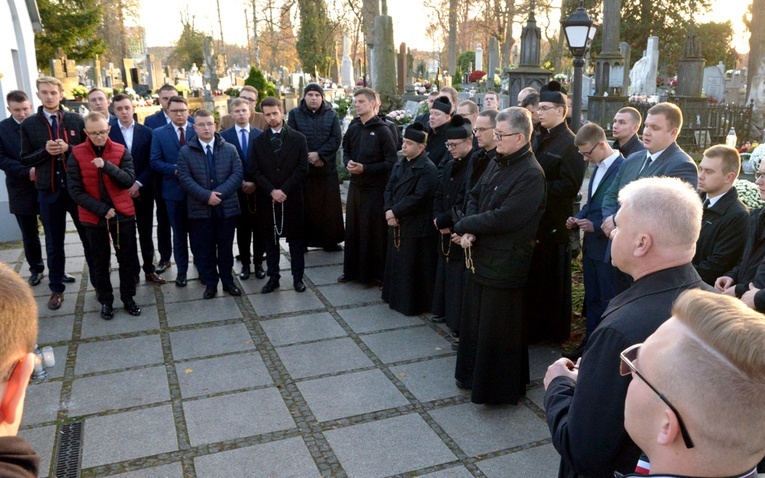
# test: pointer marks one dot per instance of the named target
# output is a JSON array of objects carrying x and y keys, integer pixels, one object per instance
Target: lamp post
[{"x": 580, "y": 30}]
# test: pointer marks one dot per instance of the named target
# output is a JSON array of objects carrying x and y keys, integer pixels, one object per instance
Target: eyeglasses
[
  {"x": 626, "y": 367},
  {"x": 481, "y": 130},
  {"x": 454, "y": 145},
  {"x": 96, "y": 134},
  {"x": 501, "y": 136},
  {"x": 176, "y": 112},
  {"x": 547, "y": 108},
  {"x": 588, "y": 153}
]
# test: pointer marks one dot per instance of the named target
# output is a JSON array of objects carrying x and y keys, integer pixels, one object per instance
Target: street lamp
[{"x": 580, "y": 30}]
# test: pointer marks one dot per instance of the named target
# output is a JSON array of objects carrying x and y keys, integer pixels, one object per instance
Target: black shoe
[
  {"x": 180, "y": 281},
  {"x": 438, "y": 319},
  {"x": 343, "y": 279},
  {"x": 245, "y": 274},
  {"x": 463, "y": 385},
  {"x": 299, "y": 285},
  {"x": 35, "y": 278},
  {"x": 260, "y": 273},
  {"x": 68, "y": 279},
  {"x": 107, "y": 312},
  {"x": 210, "y": 292},
  {"x": 456, "y": 335},
  {"x": 270, "y": 286},
  {"x": 334, "y": 248},
  {"x": 232, "y": 289},
  {"x": 456, "y": 345},
  {"x": 132, "y": 308},
  {"x": 162, "y": 267},
  {"x": 575, "y": 354}
]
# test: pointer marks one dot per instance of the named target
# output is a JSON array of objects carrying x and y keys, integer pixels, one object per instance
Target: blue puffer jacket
[
  {"x": 194, "y": 176},
  {"x": 321, "y": 129}
]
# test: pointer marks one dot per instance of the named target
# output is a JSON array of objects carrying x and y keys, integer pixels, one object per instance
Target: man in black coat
[
  {"x": 19, "y": 179},
  {"x": 548, "y": 313},
  {"x": 497, "y": 233},
  {"x": 279, "y": 163},
  {"x": 440, "y": 115},
  {"x": 725, "y": 223},
  {"x": 624, "y": 129},
  {"x": 410, "y": 263},
  {"x": 584, "y": 402},
  {"x": 316, "y": 119},
  {"x": 369, "y": 153},
  {"x": 46, "y": 138}
]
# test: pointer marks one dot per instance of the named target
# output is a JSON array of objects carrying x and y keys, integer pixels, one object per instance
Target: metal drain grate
[{"x": 69, "y": 451}]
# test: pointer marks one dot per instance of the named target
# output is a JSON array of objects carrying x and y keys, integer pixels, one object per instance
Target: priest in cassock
[
  {"x": 497, "y": 235},
  {"x": 410, "y": 264}
]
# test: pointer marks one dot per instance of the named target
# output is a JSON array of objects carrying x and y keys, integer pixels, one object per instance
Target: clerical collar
[{"x": 211, "y": 144}]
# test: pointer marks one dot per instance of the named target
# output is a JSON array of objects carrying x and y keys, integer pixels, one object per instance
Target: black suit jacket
[
  {"x": 724, "y": 228},
  {"x": 286, "y": 172},
  {"x": 140, "y": 150},
  {"x": 22, "y": 196}
]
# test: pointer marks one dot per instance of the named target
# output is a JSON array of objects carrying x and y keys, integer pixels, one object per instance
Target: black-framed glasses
[
  {"x": 547, "y": 108},
  {"x": 588, "y": 153},
  {"x": 454, "y": 145},
  {"x": 96, "y": 134},
  {"x": 177, "y": 112},
  {"x": 627, "y": 366},
  {"x": 501, "y": 136}
]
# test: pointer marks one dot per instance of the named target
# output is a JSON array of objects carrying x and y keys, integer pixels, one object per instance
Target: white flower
[{"x": 749, "y": 193}]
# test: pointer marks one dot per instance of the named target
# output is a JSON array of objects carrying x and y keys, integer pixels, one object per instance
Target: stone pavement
[{"x": 329, "y": 382}]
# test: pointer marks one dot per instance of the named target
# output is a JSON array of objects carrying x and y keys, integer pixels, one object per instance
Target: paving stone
[
  {"x": 139, "y": 433},
  {"x": 191, "y": 274},
  {"x": 330, "y": 356},
  {"x": 60, "y": 354},
  {"x": 455, "y": 472},
  {"x": 221, "y": 374},
  {"x": 54, "y": 329},
  {"x": 67, "y": 306},
  {"x": 540, "y": 357},
  {"x": 94, "y": 326},
  {"x": 198, "y": 311},
  {"x": 69, "y": 238},
  {"x": 236, "y": 415},
  {"x": 388, "y": 447},
  {"x": 73, "y": 249},
  {"x": 290, "y": 330},
  {"x": 172, "y": 294},
  {"x": 280, "y": 459},
  {"x": 10, "y": 256},
  {"x": 281, "y": 301},
  {"x": 430, "y": 380},
  {"x": 210, "y": 341},
  {"x": 173, "y": 470},
  {"x": 407, "y": 344},
  {"x": 118, "y": 354},
  {"x": 253, "y": 285},
  {"x": 538, "y": 462},
  {"x": 376, "y": 317},
  {"x": 42, "y": 290},
  {"x": 479, "y": 429},
  {"x": 321, "y": 258},
  {"x": 537, "y": 395},
  {"x": 42, "y": 440},
  {"x": 325, "y": 274},
  {"x": 350, "y": 293},
  {"x": 350, "y": 394},
  {"x": 41, "y": 403},
  {"x": 118, "y": 390}
]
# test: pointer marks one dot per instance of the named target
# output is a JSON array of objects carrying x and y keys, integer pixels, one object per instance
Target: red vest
[{"x": 121, "y": 199}]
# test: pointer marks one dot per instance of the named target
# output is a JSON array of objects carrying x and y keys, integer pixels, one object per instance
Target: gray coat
[{"x": 194, "y": 176}]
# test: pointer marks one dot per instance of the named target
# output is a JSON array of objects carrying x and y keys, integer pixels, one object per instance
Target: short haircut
[
  {"x": 491, "y": 114},
  {"x": 94, "y": 116},
  {"x": 731, "y": 161},
  {"x": 18, "y": 327},
  {"x": 492, "y": 93},
  {"x": 369, "y": 94},
  {"x": 519, "y": 120},
  {"x": 671, "y": 112},
  {"x": 454, "y": 97},
  {"x": 16, "y": 96},
  {"x": 167, "y": 87},
  {"x": 435, "y": 94},
  {"x": 666, "y": 208},
  {"x": 238, "y": 102},
  {"x": 717, "y": 372},
  {"x": 637, "y": 118},
  {"x": 472, "y": 107},
  {"x": 49, "y": 80},
  {"x": 94, "y": 90},
  {"x": 531, "y": 98},
  {"x": 251, "y": 89},
  {"x": 270, "y": 101},
  {"x": 121, "y": 97},
  {"x": 177, "y": 99},
  {"x": 203, "y": 113},
  {"x": 589, "y": 134}
]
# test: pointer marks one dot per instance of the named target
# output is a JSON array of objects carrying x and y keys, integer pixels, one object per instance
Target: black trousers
[
  {"x": 212, "y": 241},
  {"x": 30, "y": 234},
  {"x": 144, "y": 216},
  {"x": 123, "y": 238},
  {"x": 247, "y": 231},
  {"x": 164, "y": 237},
  {"x": 297, "y": 257}
]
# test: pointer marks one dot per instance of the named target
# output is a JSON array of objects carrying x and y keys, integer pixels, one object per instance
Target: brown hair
[
  {"x": 203, "y": 113},
  {"x": 251, "y": 89},
  {"x": 94, "y": 90},
  {"x": 494, "y": 93},
  {"x": 121, "y": 97},
  {"x": 177, "y": 99},
  {"x": 16, "y": 96},
  {"x": 671, "y": 112},
  {"x": 49, "y": 80},
  {"x": 589, "y": 134},
  {"x": 167, "y": 87},
  {"x": 731, "y": 161},
  {"x": 270, "y": 101},
  {"x": 368, "y": 93},
  {"x": 238, "y": 102},
  {"x": 95, "y": 116},
  {"x": 454, "y": 97},
  {"x": 491, "y": 114},
  {"x": 18, "y": 319},
  {"x": 472, "y": 107}
]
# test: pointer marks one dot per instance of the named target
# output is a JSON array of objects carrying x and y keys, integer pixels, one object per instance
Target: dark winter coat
[
  {"x": 372, "y": 145},
  {"x": 22, "y": 195},
  {"x": 451, "y": 191},
  {"x": 409, "y": 194},
  {"x": 321, "y": 129}
]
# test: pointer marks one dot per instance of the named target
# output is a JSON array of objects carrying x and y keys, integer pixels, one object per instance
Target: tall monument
[
  {"x": 610, "y": 67},
  {"x": 384, "y": 60},
  {"x": 529, "y": 72},
  {"x": 346, "y": 68}
]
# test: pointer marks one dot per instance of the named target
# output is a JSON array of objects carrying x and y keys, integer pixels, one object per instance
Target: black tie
[
  {"x": 647, "y": 164},
  {"x": 54, "y": 125},
  {"x": 276, "y": 144},
  {"x": 706, "y": 203}
]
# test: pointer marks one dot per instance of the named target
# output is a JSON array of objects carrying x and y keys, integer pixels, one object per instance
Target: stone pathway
[{"x": 329, "y": 382}]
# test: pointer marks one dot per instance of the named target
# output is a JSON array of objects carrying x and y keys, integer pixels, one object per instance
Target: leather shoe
[
  {"x": 210, "y": 292},
  {"x": 162, "y": 267},
  {"x": 456, "y": 345},
  {"x": 463, "y": 385},
  {"x": 180, "y": 281},
  {"x": 260, "y": 273},
  {"x": 107, "y": 312},
  {"x": 270, "y": 286},
  {"x": 245, "y": 274},
  {"x": 438, "y": 319},
  {"x": 68, "y": 279},
  {"x": 342, "y": 279},
  {"x": 35, "y": 278},
  {"x": 299, "y": 285},
  {"x": 232, "y": 290},
  {"x": 56, "y": 298},
  {"x": 153, "y": 277},
  {"x": 132, "y": 308}
]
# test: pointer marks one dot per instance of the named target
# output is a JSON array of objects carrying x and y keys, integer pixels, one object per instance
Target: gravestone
[
  {"x": 626, "y": 51},
  {"x": 690, "y": 70},
  {"x": 479, "y": 58},
  {"x": 529, "y": 73},
  {"x": 401, "y": 71},
  {"x": 346, "y": 69},
  {"x": 493, "y": 63},
  {"x": 644, "y": 73},
  {"x": 384, "y": 61},
  {"x": 714, "y": 82},
  {"x": 128, "y": 65}
]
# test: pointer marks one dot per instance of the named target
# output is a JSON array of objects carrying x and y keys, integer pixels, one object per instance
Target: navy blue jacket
[
  {"x": 158, "y": 120},
  {"x": 595, "y": 243},
  {"x": 165, "y": 147},
  {"x": 22, "y": 195},
  {"x": 140, "y": 150},
  {"x": 232, "y": 138}
]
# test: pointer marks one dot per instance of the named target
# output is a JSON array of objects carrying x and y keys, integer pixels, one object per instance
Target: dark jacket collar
[
  {"x": 724, "y": 203},
  {"x": 627, "y": 147},
  {"x": 654, "y": 283},
  {"x": 555, "y": 130},
  {"x": 322, "y": 108},
  {"x": 194, "y": 142},
  {"x": 514, "y": 157}
]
